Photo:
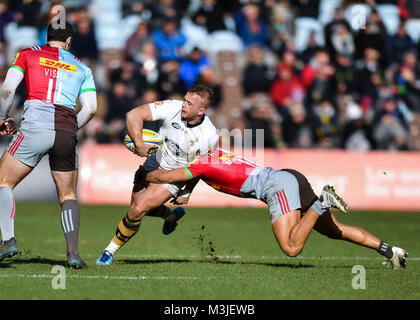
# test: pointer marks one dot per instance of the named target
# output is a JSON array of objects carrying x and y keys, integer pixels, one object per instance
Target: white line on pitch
[
  {"x": 162, "y": 256},
  {"x": 104, "y": 277}
]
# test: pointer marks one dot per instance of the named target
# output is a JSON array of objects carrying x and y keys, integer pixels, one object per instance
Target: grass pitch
[{"x": 214, "y": 254}]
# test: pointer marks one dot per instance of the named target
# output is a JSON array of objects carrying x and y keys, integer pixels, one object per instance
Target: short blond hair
[{"x": 204, "y": 92}]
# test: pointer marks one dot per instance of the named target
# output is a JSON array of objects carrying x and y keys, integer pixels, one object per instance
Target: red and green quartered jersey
[
  {"x": 54, "y": 78},
  {"x": 222, "y": 170}
]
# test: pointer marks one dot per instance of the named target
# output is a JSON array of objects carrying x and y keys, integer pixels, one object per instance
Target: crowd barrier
[{"x": 372, "y": 180}]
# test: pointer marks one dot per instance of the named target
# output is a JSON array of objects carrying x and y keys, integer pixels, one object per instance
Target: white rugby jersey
[{"x": 182, "y": 142}]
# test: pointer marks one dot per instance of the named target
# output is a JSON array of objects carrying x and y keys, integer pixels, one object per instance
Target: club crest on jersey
[
  {"x": 57, "y": 64},
  {"x": 176, "y": 125}
]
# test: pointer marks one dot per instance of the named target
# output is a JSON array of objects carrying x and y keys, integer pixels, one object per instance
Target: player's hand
[
  {"x": 144, "y": 150},
  {"x": 180, "y": 200},
  {"x": 7, "y": 127}
]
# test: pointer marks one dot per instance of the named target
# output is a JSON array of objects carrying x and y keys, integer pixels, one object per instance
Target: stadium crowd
[{"x": 338, "y": 87}]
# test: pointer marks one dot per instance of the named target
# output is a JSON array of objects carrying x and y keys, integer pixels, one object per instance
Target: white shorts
[{"x": 151, "y": 164}]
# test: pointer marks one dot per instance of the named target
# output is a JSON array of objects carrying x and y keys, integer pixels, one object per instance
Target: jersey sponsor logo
[
  {"x": 57, "y": 64},
  {"x": 176, "y": 125},
  {"x": 173, "y": 147},
  {"x": 227, "y": 157},
  {"x": 159, "y": 103}
]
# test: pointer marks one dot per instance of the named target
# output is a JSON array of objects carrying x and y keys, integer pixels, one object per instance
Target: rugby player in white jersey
[{"x": 187, "y": 133}]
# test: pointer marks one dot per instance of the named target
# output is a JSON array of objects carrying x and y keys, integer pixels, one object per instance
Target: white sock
[
  {"x": 7, "y": 213},
  {"x": 112, "y": 248}
]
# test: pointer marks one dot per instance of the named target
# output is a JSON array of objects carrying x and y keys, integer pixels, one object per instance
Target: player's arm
[
  {"x": 185, "y": 194},
  {"x": 169, "y": 176},
  {"x": 13, "y": 78},
  {"x": 89, "y": 106},
  {"x": 87, "y": 98},
  {"x": 134, "y": 121}
]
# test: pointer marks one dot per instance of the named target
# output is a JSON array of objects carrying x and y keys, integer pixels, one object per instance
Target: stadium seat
[
  {"x": 129, "y": 25},
  {"x": 108, "y": 26},
  {"x": 304, "y": 27},
  {"x": 224, "y": 41},
  {"x": 412, "y": 26},
  {"x": 108, "y": 6},
  {"x": 390, "y": 15},
  {"x": 197, "y": 36},
  {"x": 19, "y": 38},
  {"x": 326, "y": 10}
]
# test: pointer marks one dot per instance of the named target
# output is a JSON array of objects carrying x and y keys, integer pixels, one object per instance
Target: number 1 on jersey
[{"x": 50, "y": 88}]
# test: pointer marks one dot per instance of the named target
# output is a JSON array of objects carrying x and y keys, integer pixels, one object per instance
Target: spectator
[
  {"x": 342, "y": 41},
  {"x": 149, "y": 96},
  {"x": 356, "y": 132},
  {"x": 298, "y": 129},
  {"x": 289, "y": 60},
  {"x": 311, "y": 50},
  {"x": 408, "y": 82},
  {"x": 142, "y": 8},
  {"x": 307, "y": 8},
  {"x": 250, "y": 27},
  {"x": 146, "y": 66},
  {"x": 326, "y": 127},
  {"x": 210, "y": 15},
  {"x": 6, "y": 16},
  {"x": 262, "y": 116},
  {"x": 398, "y": 45},
  {"x": 209, "y": 79},
  {"x": 373, "y": 36},
  {"x": 119, "y": 103},
  {"x": 322, "y": 86},
  {"x": 369, "y": 76},
  {"x": 320, "y": 60},
  {"x": 280, "y": 29},
  {"x": 164, "y": 10},
  {"x": 170, "y": 81},
  {"x": 84, "y": 42},
  {"x": 257, "y": 75},
  {"x": 331, "y": 28},
  {"x": 191, "y": 66},
  {"x": 136, "y": 40},
  {"x": 286, "y": 90},
  {"x": 344, "y": 75},
  {"x": 26, "y": 12},
  {"x": 389, "y": 130},
  {"x": 169, "y": 41}
]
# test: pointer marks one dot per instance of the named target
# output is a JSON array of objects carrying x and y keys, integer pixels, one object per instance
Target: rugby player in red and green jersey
[
  {"x": 294, "y": 208},
  {"x": 54, "y": 80}
]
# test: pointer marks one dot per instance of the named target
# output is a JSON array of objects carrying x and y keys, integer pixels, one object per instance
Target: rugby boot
[
  {"x": 74, "y": 261},
  {"x": 329, "y": 199},
  {"x": 8, "y": 248},
  {"x": 398, "y": 259},
  {"x": 106, "y": 259},
  {"x": 169, "y": 226}
]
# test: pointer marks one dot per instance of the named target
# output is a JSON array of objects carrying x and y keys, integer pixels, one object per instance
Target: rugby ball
[{"x": 149, "y": 137}]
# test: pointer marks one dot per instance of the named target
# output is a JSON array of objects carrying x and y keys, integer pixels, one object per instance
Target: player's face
[{"x": 191, "y": 108}]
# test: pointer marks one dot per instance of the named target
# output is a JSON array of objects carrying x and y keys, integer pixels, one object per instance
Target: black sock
[
  {"x": 385, "y": 250},
  {"x": 70, "y": 220}
]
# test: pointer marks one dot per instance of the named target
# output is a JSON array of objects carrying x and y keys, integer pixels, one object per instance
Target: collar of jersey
[{"x": 197, "y": 124}]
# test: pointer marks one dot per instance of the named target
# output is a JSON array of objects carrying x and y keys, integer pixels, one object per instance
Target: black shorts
[{"x": 63, "y": 154}]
